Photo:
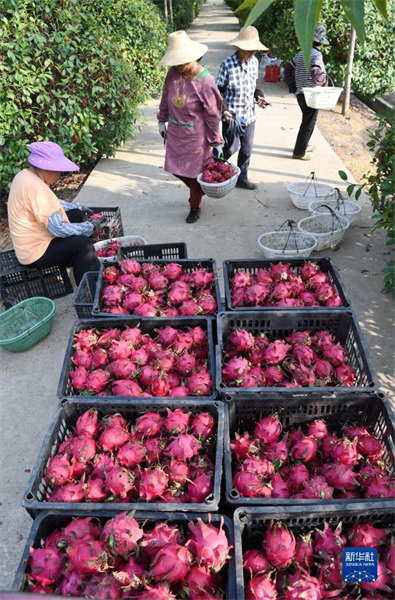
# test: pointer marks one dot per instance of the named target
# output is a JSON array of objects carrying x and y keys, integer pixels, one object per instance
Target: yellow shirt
[{"x": 30, "y": 204}]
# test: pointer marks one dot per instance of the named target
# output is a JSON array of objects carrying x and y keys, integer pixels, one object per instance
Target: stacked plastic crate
[
  {"x": 111, "y": 449},
  {"x": 298, "y": 470}
]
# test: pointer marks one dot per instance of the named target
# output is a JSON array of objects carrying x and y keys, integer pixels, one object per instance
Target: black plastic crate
[
  {"x": 48, "y": 521},
  {"x": 252, "y": 265},
  {"x": 157, "y": 251},
  {"x": 188, "y": 265},
  {"x": 85, "y": 294},
  {"x": 20, "y": 282},
  {"x": 372, "y": 411},
  {"x": 278, "y": 324},
  {"x": 63, "y": 423},
  {"x": 147, "y": 325},
  {"x": 112, "y": 223},
  {"x": 250, "y": 524}
]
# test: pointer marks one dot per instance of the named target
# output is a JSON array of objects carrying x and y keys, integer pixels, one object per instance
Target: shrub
[
  {"x": 75, "y": 73},
  {"x": 380, "y": 186},
  {"x": 184, "y": 11}
]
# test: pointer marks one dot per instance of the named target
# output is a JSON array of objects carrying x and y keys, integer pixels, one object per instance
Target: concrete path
[{"x": 154, "y": 204}]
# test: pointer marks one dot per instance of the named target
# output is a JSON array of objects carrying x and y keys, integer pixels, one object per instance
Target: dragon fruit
[
  {"x": 304, "y": 554},
  {"x": 94, "y": 489},
  {"x": 125, "y": 387},
  {"x": 346, "y": 452},
  {"x": 87, "y": 557},
  {"x": 113, "y": 438},
  {"x": 171, "y": 563},
  {"x": 268, "y": 429},
  {"x": 317, "y": 487},
  {"x": 203, "y": 424},
  {"x": 200, "y": 383},
  {"x": 254, "y": 562},
  {"x": 58, "y": 471},
  {"x": 199, "y": 488},
  {"x": 46, "y": 565},
  {"x": 303, "y": 585},
  {"x": 119, "y": 482},
  {"x": 366, "y": 534},
  {"x": 340, "y": 476},
  {"x": 328, "y": 542},
  {"x": 260, "y": 587},
  {"x": 131, "y": 454},
  {"x": 153, "y": 483},
  {"x": 209, "y": 544},
  {"x": 149, "y": 424},
  {"x": 276, "y": 352},
  {"x": 97, "y": 380},
  {"x": 279, "y": 545},
  {"x": 83, "y": 448},
  {"x": 78, "y": 378},
  {"x": 85, "y": 340},
  {"x": 183, "y": 446},
  {"x": 305, "y": 448},
  {"x": 122, "y": 533}
]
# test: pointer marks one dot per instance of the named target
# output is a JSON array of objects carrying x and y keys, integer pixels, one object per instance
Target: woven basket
[
  {"x": 304, "y": 192},
  {"x": 286, "y": 242},
  {"x": 323, "y": 98},
  {"x": 219, "y": 190},
  {"x": 344, "y": 208},
  {"x": 328, "y": 228},
  {"x": 127, "y": 240},
  {"x": 26, "y": 323}
]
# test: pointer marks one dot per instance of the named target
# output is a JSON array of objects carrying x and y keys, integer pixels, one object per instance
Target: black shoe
[
  {"x": 246, "y": 185},
  {"x": 193, "y": 216}
]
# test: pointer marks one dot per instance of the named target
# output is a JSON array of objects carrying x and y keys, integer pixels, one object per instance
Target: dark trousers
[
  {"x": 233, "y": 143},
  {"x": 195, "y": 191},
  {"x": 309, "y": 118},
  {"x": 76, "y": 251}
]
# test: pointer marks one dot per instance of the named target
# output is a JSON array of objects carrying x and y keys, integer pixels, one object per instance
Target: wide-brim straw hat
[
  {"x": 181, "y": 49},
  {"x": 248, "y": 39}
]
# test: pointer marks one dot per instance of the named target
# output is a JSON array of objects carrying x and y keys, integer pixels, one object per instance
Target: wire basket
[
  {"x": 283, "y": 243},
  {"x": 328, "y": 228},
  {"x": 323, "y": 98},
  {"x": 219, "y": 190},
  {"x": 26, "y": 323},
  {"x": 344, "y": 208},
  {"x": 304, "y": 192}
]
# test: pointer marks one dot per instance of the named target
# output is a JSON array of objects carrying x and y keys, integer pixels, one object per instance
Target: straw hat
[
  {"x": 248, "y": 39},
  {"x": 181, "y": 49}
]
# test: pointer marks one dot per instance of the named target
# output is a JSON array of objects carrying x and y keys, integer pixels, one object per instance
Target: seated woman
[{"x": 42, "y": 232}]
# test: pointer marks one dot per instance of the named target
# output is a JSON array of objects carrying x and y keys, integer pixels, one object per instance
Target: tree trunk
[
  {"x": 165, "y": 9},
  {"x": 347, "y": 82},
  {"x": 171, "y": 11}
]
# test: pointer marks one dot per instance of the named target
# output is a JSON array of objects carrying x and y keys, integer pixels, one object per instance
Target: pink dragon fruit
[
  {"x": 243, "y": 446},
  {"x": 301, "y": 374},
  {"x": 308, "y": 270},
  {"x": 153, "y": 483},
  {"x": 334, "y": 353},
  {"x": 183, "y": 446},
  {"x": 82, "y": 358},
  {"x": 276, "y": 352},
  {"x": 199, "y": 488},
  {"x": 83, "y": 448},
  {"x": 149, "y": 424},
  {"x": 71, "y": 584},
  {"x": 260, "y": 587},
  {"x": 58, "y": 471},
  {"x": 304, "y": 353},
  {"x": 368, "y": 445},
  {"x": 279, "y": 486},
  {"x": 317, "y": 429},
  {"x": 340, "y": 476},
  {"x": 167, "y": 335},
  {"x": 279, "y": 545},
  {"x": 298, "y": 475},
  {"x": 46, "y": 565},
  {"x": 345, "y": 375},
  {"x": 254, "y": 562},
  {"x": 200, "y": 383},
  {"x": 250, "y": 484},
  {"x": 303, "y": 585},
  {"x": 366, "y": 534},
  {"x": 256, "y": 294},
  {"x": 159, "y": 537},
  {"x": 179, "y": 292},
  {"x": 130, "y": 266},
  {"x": 323, "y": 370},
  {"x": 87, "y": 423},
  {"x": 241, "y": 279},
  {"x": 209, "y": 544},
  {"x": 97, "y": 380},
  {"x": 87, "y": 557},
  {"x": 304, "y": 554},
  {"x": 203, "y": 424},
  {"x": 85, "y": 339},
  {"x": 317, "y": 487},
  {"x": 122, "y": 534},
  {"x": 305, "y": 448},
  {"x": 176, "y": 421},
  {"x": 125, "y": 387},
  {"x": 78, "y": 378},
  {"x": 381, "y": 488},
  {"x": 70, "y": 492},
  {"x": 268, "y": 429},
  {"x": 94, "y": 490},
  {"x": 110, "y": 274},
  {"x": 119, "y": 482},
  {"x": 122, "y": 368},
  {"x": 112, "y": 438},
  {"x": 131, "y": 454},
  {"x": 238, "y": 297},
  {"x": 160, "y": 386},
  {"x": 171, "y": 563},
  {"x": 274, "y": 374},
  {"x": 177, "y": 471},
  {"x": 200, "y": 580},
  {"x": 112, "y": 295},
  {"x": 131, "y": 575},
  {"x": 280, "y": 271},
  {"x": 201, "y": 278},
  {"x": 383, "y": 581},
  {"x": 158, "y": 592},
  {"x": 277, "y": 452},
  {"x": 346, "y": 452},
  {"x": 172, "y": 271},
  {"x": 235, "y": 369},
  {"x": 328, "y": 542}
]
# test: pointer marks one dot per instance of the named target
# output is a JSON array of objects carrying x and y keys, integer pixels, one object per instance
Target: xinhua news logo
[{"x": 359, "y": 564}]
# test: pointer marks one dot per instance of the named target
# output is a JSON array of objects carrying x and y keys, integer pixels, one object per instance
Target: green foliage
[
  {"x": 75, "y": 73},
  {"x": 184, "y": 12},
  {"x": 374, "y": 61},
  {"x": 380, "y": 186}
]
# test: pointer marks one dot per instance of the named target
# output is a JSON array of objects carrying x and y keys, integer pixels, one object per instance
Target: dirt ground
[{"x": 347, "y": 136}]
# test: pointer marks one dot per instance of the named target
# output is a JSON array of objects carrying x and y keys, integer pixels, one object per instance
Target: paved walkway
[{"x": 154, "y": 204}]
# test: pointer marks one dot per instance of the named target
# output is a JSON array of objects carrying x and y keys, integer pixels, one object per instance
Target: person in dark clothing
[{"x": 315, "y": 76}]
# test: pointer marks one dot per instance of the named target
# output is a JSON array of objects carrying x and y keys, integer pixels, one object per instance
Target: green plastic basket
[{"x": 26, "y": 324}]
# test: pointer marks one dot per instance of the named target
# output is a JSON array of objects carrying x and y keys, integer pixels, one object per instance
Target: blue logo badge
[{"x": 359, "y": 564}]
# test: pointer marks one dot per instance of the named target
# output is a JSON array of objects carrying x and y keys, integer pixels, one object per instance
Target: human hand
[
  {"x": 218, "y": 151},
  {"x": 97, "y": 223},
  {"x": 227, "y": 115},
  {"x": 262, "y": 102},
  {"x": 163, "y": 131},
  {"x": 88, "y": 212}
]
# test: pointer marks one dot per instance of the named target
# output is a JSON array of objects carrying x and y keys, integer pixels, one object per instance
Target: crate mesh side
[
  {"x": 51, "y": 282},
  {"x": 157, "y": 251}
]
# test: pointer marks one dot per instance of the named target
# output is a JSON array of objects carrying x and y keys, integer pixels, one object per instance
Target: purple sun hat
[{"x": 49, "y": 156}]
